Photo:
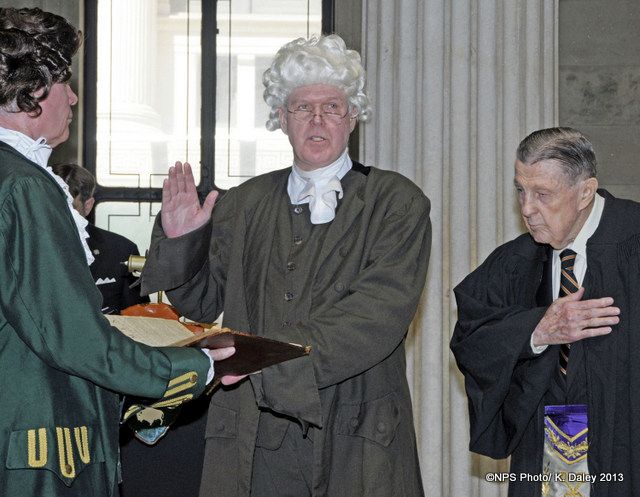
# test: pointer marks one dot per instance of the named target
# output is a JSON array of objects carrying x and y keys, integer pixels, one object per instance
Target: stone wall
[{"x": 599, "y": 85}]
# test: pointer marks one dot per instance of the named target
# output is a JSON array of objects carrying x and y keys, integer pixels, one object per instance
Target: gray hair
[
  {"x": 569, "y": 148},
  {"x": 323, "y": 60}
]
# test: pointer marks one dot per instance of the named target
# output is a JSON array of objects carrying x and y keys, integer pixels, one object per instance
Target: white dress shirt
[{"x": 579, "y": 246}]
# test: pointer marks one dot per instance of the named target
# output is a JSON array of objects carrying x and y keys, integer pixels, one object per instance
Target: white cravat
[
  {"x": 320, "y": 188},
  {"x": 39, "y": 152}
]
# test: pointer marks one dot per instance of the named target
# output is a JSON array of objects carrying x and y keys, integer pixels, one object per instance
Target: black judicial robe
[{"x": 506, "y": 384}]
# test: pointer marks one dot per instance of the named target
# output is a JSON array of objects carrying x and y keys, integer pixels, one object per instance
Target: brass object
[{"x": 135, "y": 263}]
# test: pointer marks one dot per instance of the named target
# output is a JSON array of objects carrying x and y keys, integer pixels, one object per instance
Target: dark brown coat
[{"x": 352, "y": 391}]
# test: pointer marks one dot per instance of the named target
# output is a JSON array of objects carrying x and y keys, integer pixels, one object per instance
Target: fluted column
[
  {"x": 455, "y": 85},
  {"x": 132, "y": 49}
]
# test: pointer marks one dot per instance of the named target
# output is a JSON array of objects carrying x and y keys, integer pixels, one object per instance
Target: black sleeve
[{"x": 504, "y": 380}]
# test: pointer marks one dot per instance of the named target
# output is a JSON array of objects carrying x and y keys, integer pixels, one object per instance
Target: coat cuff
[
  {"x": 290, "y": 388},
  {"x": 187, "y": 381},
  {"x": 171, "y": 262},
  {"x": 189, "y": 368}
]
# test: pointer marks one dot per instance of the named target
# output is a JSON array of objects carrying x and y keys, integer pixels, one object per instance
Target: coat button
[
  {"x": 297, "y": 209},
  {"x": 297, "y": 240},
  {"x": 338, "y": 287},
  {"x": 193, "y": 378},
  {"x": 220, "y": 427},
  {"x": 291, "y": 266},
  {"x": 354, "y": 422},
  {"x": 288, "y": 296},
  {"x": 344, "y": 251},
  {"x": 68, "y": 469},
  {"x": 381, "y": 427}
]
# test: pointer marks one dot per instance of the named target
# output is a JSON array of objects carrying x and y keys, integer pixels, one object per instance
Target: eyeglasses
[{"x": 330, "y": 114}]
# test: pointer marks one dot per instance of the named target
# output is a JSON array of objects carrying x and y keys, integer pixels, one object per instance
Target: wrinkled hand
[
  {"x": 570, "y": 319},
  {"x": 181, "y": 209},
  {"x": 219, "y": 355}
]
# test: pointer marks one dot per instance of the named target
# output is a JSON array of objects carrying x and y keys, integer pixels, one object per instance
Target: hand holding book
[
  {"x": 235, "y": 355},
  {"x": 253, "y": 353}
]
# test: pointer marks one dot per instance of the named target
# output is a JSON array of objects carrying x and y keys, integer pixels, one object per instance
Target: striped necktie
[{"x": 568, "y": 285}]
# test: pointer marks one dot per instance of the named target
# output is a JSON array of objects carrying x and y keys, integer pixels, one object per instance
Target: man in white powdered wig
[{"x": 328, "y": 253}]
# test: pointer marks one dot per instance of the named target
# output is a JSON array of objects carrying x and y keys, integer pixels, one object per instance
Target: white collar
[
  {"x": 35, "y": 150},
  {"x": 579, "y": 245},
  {"x": 39, "y": 152},
  {"x": 320, "y": 188},
  {"x": 338, "y": 168}
]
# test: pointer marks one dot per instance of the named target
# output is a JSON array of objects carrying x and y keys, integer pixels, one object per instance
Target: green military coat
[
  {"x": 351, "y": 392},
  {"x": 60, "y": 361}
]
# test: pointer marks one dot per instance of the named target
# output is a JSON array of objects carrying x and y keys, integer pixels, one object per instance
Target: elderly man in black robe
[{"x": 546, "y": 334}]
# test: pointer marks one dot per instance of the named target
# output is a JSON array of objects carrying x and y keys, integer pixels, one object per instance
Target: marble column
[
  {"x": 130, "y": 136},
  {"x": 455, "y": 85}
]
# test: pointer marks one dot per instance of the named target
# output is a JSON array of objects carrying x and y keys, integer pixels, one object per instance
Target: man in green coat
[
  {"x": 61, "y": 363},
  {"x": 327, "y": 253}
]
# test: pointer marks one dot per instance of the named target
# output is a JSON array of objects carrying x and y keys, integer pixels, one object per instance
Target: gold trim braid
[
  {"x": 82, "y": 442},
  {"x": 34, "y": 461},
  {"x": 65, "y": 452}
]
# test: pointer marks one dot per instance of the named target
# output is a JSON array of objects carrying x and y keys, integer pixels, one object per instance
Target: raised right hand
[
  {"x": 181, "y": 209},
  {"x": 570, "y": 319}
]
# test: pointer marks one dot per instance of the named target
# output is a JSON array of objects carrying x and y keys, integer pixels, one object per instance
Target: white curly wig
[{"x": 304, "y": 62}]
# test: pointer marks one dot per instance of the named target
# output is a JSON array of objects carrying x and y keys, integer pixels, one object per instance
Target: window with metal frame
[{"x": 168, "y": 80}]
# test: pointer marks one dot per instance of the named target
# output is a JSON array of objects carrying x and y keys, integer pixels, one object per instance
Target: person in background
[
  {"x": 547, "y": 333},
  {"x": 62, "y": 363},
  {"x": 328, "y": 253},
  {"x": 110, "y": 250}
]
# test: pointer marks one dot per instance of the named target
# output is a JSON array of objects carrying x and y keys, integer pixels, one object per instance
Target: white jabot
[
  {"x": 320, "y": 188},
  {"x": 39, "y": 152}
]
